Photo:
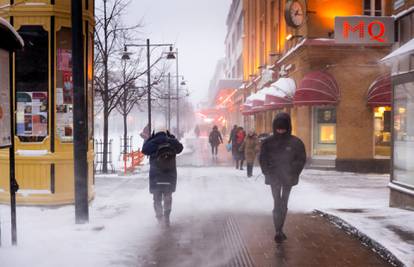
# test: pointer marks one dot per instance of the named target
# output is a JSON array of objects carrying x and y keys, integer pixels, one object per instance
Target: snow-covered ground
[{"x": 122, "y": 225}]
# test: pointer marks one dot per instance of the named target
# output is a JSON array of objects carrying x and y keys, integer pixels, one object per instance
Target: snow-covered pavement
[{"x": 123, "y": 231}]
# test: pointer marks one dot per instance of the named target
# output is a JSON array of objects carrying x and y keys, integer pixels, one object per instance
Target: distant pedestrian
[
  {"x": 233, "y": 141},
  {"x": 251, "y": 147},
  {"x": 282, "y": 159},
  {"x": 224, "y": 130},
  {"x": 215, "y": 139},
  {"x": 162, "y": 148},
  {"x": 240, "y": 135},
  {"x": 197, "y": 131}
]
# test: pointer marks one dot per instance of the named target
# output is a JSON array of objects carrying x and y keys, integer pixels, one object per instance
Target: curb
[{"x": 383, "y": 252}]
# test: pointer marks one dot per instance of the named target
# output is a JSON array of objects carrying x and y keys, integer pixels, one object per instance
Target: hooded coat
[
  {"x": 283, "y": 156},
  {"x": 160, "y": 180}
]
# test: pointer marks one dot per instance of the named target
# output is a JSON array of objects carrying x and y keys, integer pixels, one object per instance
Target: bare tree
[{"x": 108, "y": 29}]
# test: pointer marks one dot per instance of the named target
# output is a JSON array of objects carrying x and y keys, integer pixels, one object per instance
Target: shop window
[
  {"x": 64, "y": 85},
  {"x": 324, "y": 132},
  {"x": 404, "y": 134},
  {"x": 373, "y": 7},
  {"x": 31, "y": 83},
  {"x": 382, "y": 131}
]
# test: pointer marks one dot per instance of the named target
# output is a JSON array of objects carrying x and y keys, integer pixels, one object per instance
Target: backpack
[{"x": 165, "y": 157}]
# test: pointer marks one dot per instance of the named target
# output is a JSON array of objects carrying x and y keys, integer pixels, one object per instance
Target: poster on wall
[
  {"x": 31, "y": 114},
  {"x": 64, "y": 116},
  {"x": 64, "y": 60},
  {"x": 5, "y": 138}
]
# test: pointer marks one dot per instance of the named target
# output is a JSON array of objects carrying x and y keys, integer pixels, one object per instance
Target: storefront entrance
[{"x": 324, "y": 132}]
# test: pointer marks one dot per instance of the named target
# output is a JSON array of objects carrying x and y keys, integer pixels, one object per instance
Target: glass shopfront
[
  {"x": 382, "y": 132},
  {"x": 404, "y": 133},
  {"x": 32, "y": 85},
  {"x": 324, "y": 131}
]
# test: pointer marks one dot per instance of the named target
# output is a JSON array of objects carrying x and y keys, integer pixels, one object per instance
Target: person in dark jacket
[
  {"x": 215, "y": 139},
  {"x": 163, "y": 171},
  {"x": 232, "y": 141},
  {"x": 282, "y": 159},
  {"x": 240, "y": 136}
]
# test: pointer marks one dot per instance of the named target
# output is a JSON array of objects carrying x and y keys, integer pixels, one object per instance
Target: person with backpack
[
  {"x": 215, "y": 139},
  {"x": 282, "y": 159},
  {"x": 162, "y": 149}
]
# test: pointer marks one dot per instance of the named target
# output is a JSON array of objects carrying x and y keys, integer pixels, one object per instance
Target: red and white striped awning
[
  {"x": 379, "y": 93},
  {"x": 317, "y": 88}
]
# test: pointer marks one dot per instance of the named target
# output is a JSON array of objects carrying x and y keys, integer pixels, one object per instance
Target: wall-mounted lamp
[{"x": 291, "y": 36}]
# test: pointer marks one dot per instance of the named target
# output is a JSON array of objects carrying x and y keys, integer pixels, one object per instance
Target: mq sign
[{"x": 364, "y": 30}]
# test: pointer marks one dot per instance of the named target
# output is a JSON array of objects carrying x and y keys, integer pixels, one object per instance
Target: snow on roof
[
  {"x": 293, "y": 49},
  {"x": 403, "y": 13},
  {"x": 283, "y": 87},
  {"x": 404, "y": 49},
  {"x": 5, "y": 24}
]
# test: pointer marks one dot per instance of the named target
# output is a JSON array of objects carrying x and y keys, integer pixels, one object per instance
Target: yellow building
[
  {"x": 344, "y": 126},
  {"x": 42, "y": 82}
]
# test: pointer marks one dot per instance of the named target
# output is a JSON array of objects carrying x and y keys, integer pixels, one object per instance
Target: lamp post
[
  {"x": 148, "y": 45},
  {"x": 169, "y": 98}
]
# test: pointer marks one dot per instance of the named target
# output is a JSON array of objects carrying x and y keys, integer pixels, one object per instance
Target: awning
[
  {"x": 10, "y": 39},
  {"x": 280, "y": 94},
  {"x": 379, "y": 93},
  {"x": 403, "y": 50},
  {"x": 247, "y": 109},
  {"x": 317, "y": 88}
]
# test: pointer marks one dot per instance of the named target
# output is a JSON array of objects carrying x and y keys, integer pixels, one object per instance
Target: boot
[{"x": 167, "y": 218}]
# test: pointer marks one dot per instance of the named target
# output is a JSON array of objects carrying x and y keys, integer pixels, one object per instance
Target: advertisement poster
[
  {"x": 31, "y": 114},
  {"x": 5, "y": 139},
  {"x": 64, "y": 60}
]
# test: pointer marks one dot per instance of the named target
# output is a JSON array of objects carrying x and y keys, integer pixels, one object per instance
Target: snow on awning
[
  {"x": 280, "y": 94},
  {"x": 317, "y": 88},
  {"x": 379, "y": 93},
  {"x": 403, "y": 50},
  {"x": 11, "y": 40}
]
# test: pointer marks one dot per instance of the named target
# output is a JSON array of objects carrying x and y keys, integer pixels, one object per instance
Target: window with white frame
[{"x": 373, "y": 7}]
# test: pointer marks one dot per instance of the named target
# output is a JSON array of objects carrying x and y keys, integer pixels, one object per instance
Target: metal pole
[
  {"x": 169, "y": 101},
  {"x": 178, "y": 85},
  {"x": 13, "y": 183},
  {"x": 80, "y": 133},
  {"x": 149, "y": 85}
]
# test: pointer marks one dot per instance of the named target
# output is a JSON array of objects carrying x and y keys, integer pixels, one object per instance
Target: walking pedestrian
[
  {"x": 162, "y": 148},
  {"x": 282, "y": 159},
  {"x": 251, "y": 147},
  {"x": 215, "y": 139},
  {"x": 197, "y": 131},
  {"x": 240, "y": 135},
  {"x": 233, "y": 141}
]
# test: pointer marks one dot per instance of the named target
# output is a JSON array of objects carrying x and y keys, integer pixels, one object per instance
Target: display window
[
  {"x": 324, "y": 131},
  {"x": 404, "y": 134},
  {"x": 64, "y": 86},
  {"x": 32, "y": 85},
  {"x": 382, "y": 131}
]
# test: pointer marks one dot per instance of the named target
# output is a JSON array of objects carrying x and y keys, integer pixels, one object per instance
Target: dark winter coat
[
  {"x": 233, "y": 141},
  {"x": 215, "y": 138},
  {"x": 282, "y": 156},
  {"x": 251, "y": 147},
  {"x": 158, "y": 179}
]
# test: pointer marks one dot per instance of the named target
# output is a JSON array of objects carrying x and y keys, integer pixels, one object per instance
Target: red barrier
[{"x": 135, "y": 157}]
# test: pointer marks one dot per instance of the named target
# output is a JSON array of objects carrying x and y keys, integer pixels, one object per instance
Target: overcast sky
[{"x": 198, "y": 27}]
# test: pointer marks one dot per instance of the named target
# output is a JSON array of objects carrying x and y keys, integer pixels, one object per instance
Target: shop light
[
  {"x": 208, "y": 120},
  {"x": 401, "y": 110},
  {"x": 290, "y": 36}
]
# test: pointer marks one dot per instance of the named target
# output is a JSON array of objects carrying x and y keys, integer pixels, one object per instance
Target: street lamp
[
  {"x": 170, "y": 55},
  {"x": 183, "y": 83}
]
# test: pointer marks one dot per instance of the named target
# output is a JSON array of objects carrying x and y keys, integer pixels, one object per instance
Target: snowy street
[{"x": 219, "y": 218}]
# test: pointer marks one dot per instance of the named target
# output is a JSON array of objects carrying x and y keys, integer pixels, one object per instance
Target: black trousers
[
  {"x": 280, "y": 197},
  {"x": 214, "y": 149},
  {"x": 249, "y": 169},
  {"x": 162, "y": 209}
]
